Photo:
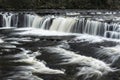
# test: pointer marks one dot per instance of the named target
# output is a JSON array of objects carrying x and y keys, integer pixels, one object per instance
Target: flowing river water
[{"x": 71, "y": 46}]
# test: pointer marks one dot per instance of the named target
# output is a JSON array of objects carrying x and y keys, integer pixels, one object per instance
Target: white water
[
  {"x": 65, "y": 24},
  {"x": 36, "y": 66},
  {"x": 37, "y": 22},
  {"x": 91, "y": 67},
  {"x": 7, "y": 17},
  {"x": 112, "y": 53}
]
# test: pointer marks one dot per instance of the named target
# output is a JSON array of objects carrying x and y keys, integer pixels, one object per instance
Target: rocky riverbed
[{"x": 30, "y": 54}]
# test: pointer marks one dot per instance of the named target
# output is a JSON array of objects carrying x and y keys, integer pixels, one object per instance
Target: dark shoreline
[
  {"x": 61, "y": 11},
  {"x": 58, "y": 10}
]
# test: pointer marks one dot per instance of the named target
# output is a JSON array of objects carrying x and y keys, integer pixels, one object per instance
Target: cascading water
[
  {"x": 63, "y": 24},
  {"x": 59, "y": 47},
  {"x": 7, "y": 17},
  {"x": 84, "y": 25}
]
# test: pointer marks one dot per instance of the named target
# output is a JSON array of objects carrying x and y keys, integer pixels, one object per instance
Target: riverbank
[
  {"x": 61, "y": 4},
  {"x": 63, "y": 11}
]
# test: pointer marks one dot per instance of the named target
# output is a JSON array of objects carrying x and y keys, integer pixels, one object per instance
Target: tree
[
  {"x": 62, "y": 4},
  {"x": 18, "y": 4}
]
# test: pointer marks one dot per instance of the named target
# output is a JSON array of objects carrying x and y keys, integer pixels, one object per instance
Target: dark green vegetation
[{"x": 59, "y": 4}]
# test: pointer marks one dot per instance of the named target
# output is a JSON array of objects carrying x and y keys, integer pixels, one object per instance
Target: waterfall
[
  {"x": 7, "y": 19},
  {"x": 37, "y": 22},
  {"x": 29, "y": 20},
  {"x": 62, "y": 23}
]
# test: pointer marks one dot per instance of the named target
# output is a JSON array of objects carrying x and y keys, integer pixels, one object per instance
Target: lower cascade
[{"x": 63, "y": 23}]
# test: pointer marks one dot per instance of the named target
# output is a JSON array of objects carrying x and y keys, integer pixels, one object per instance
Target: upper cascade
[{"x": 94, "y": 25}]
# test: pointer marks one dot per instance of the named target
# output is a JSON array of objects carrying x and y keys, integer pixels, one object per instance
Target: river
[{"x": 82, "y": 45}]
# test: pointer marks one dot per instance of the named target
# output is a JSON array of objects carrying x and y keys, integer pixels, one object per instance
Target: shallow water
[{"x": 57, "y": 57}]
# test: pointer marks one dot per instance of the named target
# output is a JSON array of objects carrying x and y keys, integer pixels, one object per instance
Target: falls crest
[{"x": 76, "y": 24}]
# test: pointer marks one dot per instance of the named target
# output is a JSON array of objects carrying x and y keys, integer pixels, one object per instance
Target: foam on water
[
  {"x": 1, "y": 40},
  {"x": 40, "y": 32},
  {"x": 112, "y": 53},
  {"x": 91, "y": 67},
  {"x": 77, "y": 39},
  {"x": 88, "y": 38},
  {"x": 37, "y": 66}
]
